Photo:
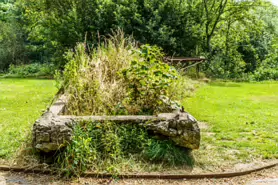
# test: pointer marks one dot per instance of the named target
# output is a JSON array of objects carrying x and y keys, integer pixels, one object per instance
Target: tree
[
  {"x": 11, "y": 36},
  {"x": 234, "y": 35}
]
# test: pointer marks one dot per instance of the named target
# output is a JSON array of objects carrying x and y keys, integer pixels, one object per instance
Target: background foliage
[{"x": 239, "y": 38}]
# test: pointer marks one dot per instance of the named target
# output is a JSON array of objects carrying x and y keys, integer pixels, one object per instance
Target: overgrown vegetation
[
  {"x": 107, "y": 147},
  {"x": 92, "y": 80},
  {"x": 119, "y": 78},
  {"x": 148, "y": 80},
  {"x": 31, "y": 70}
]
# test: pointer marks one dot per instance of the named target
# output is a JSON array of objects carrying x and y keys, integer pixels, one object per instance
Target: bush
[
  {"x": 226, "y": 67},
  {"x": 108, "y": 147},
  {"x": 266, "y": 74},
  {"x": 268, "y": 69},
  {"x": 31, "y": 70},
  {"x": 148, "y": 82},
  {"x": 117, "y": 78}
]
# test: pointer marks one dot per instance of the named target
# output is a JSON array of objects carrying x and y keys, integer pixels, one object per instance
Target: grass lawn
[
  {"x": 241, "y": 122},
  {"x": 22, "y": 101}
]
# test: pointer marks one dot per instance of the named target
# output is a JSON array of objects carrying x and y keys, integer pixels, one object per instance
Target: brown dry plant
[{"x": 91, "y": 78}]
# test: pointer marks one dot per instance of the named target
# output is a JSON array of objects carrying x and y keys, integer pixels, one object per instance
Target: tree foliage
[
  {"x": 235, "y": 36},
  {"x": 11, "y": 36}
]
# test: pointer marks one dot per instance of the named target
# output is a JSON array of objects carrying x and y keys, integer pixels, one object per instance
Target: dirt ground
[{"x": 36, "y": 179}]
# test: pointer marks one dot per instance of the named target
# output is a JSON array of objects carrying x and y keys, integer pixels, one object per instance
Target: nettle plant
[{"x": 148, "y": 80}]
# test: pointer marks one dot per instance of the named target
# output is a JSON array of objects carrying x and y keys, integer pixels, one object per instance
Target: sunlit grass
[
  {"x": 242, "y": 121},
  {"x": 22, "y": 101},
  {"x": 241, "y": 118}
]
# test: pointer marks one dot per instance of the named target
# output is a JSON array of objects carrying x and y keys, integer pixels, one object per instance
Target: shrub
[
  {"x": 148, "y": 80},
  {"x": 266, "y": 74},
  {"x": 117, "y": 78},
  {"x": 268, "y": 69},
  {"x": 31, "y": 70},
  {"x": 226, "y": 67}
]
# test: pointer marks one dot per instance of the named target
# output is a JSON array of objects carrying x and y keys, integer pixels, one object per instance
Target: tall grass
[
  {"x": 92, "y": 80},
  {"x": 118, "y": 78}
]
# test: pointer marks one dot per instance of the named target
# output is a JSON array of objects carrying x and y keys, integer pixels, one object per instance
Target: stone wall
[{"x": 54, "y": 131}]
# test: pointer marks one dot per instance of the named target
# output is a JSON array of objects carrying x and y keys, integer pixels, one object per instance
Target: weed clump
[
  {"x": 108, "y": 147},
  {"x": 91, "y": 78},
  {"x": 118, "y": 78}
]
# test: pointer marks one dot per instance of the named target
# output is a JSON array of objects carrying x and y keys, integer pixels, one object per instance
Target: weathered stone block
[
  {"x": 182, "y": 128},
  {"x": 52, "y": 132}
]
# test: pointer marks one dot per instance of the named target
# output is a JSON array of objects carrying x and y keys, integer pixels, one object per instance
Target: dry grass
[
  {"x": 95, "y": 80},
  {"x": 92, "y": 81}
]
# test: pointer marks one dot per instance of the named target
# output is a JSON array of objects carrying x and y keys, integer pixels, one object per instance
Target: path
[{"x": 266, "y": 177}]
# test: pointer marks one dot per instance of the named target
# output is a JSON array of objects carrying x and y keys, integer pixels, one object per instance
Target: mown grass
[
  {"x": 242, "y": 120},
  {"x": 22, "y": 101}
]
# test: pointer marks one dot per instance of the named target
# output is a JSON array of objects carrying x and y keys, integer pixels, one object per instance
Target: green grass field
[
  {"x": 22, "y": 101},
  {"x": 241, "y": 121}
]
